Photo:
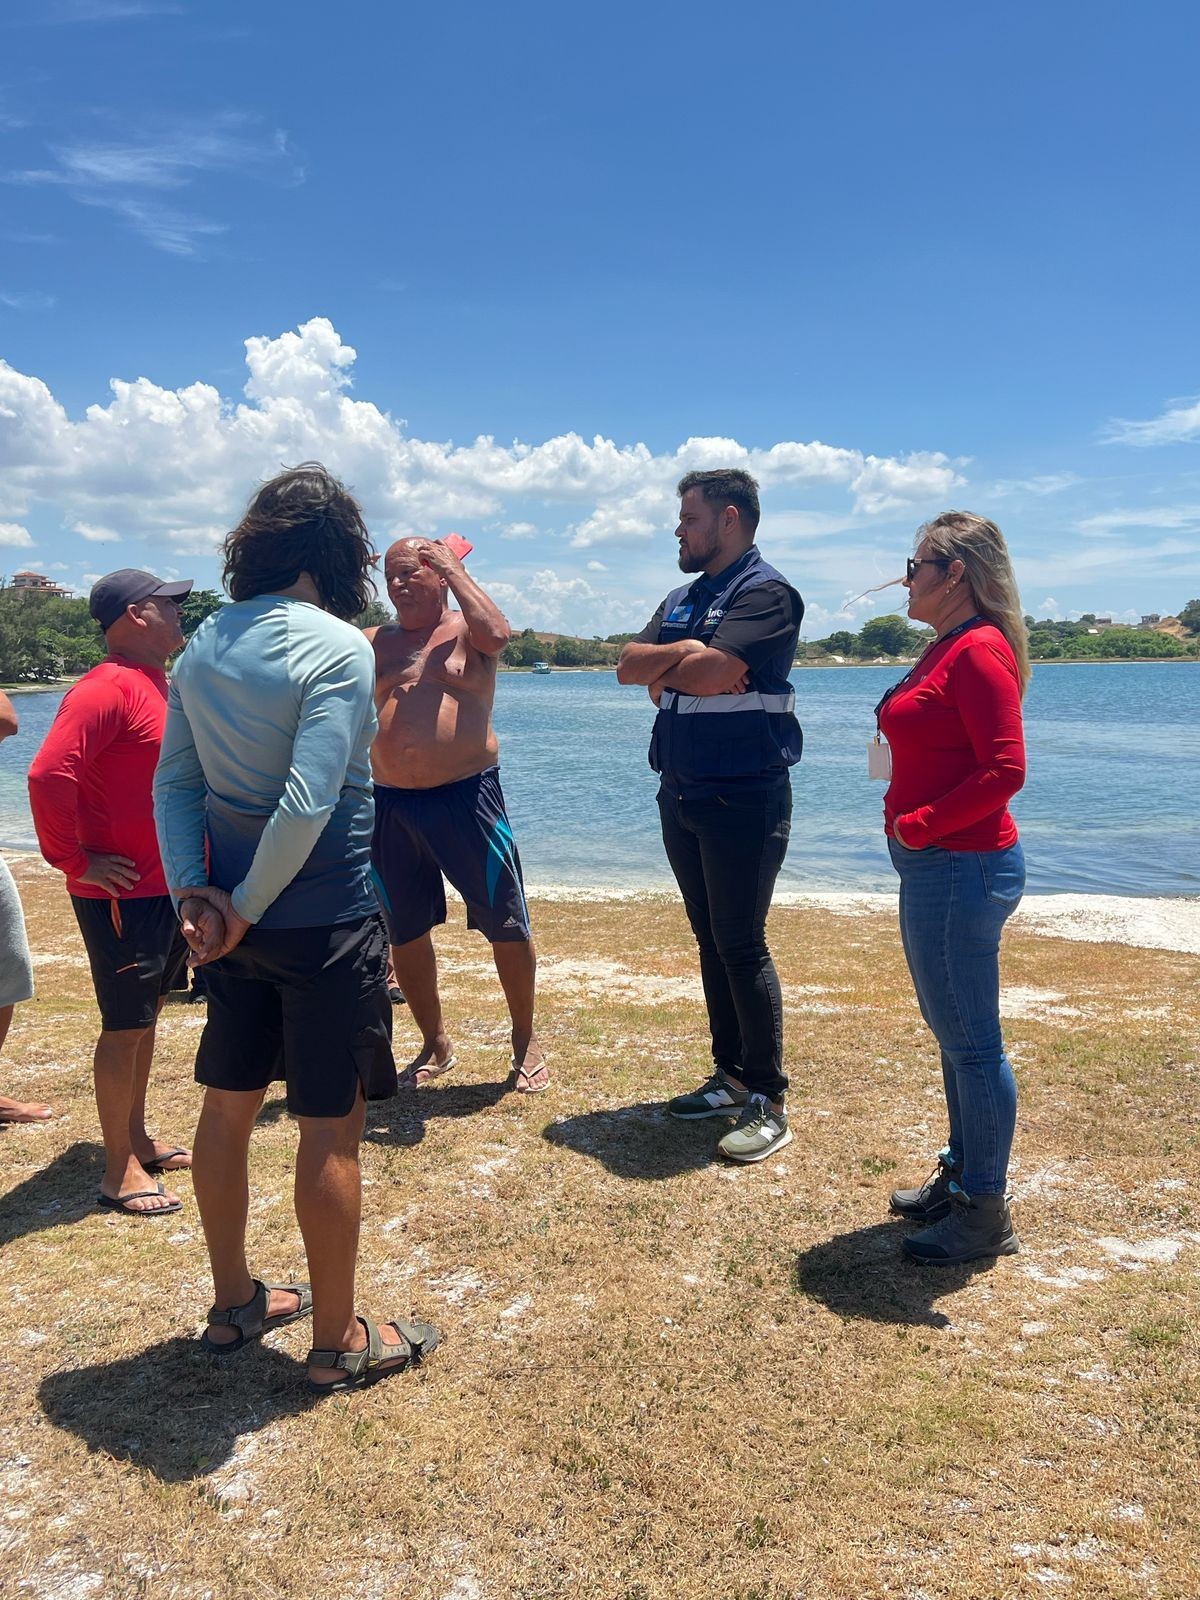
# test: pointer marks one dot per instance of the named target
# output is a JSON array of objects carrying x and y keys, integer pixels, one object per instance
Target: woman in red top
[{"x": 958, "y": 756}]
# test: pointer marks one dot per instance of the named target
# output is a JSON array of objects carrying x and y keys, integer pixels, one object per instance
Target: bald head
[{"x": 414, "y": 589}]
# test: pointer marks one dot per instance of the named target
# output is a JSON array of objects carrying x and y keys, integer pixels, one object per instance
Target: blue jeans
[{"x": 953, "y": 907}]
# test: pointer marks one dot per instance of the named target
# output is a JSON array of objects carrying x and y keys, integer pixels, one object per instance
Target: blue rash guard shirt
[{"x": 266, "y": 761}]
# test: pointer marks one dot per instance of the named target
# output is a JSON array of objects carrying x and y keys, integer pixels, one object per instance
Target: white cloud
[
  {"x": 26, "y": 300},
  {"x": 596, "y": 566},
  {"x": 1178, "y": 424},
  {"x": 14, "y": 536},
  {"x": 175, "y": 465},
  {"x": 129, "y": 177},
  {"x": 95, "y": 534},
  {"x": 1106, "y": 522},
  {"x": 518, "y": 530},
  {"x": 1049, "y": 608},
  {"x": 1043, "y": 484}
]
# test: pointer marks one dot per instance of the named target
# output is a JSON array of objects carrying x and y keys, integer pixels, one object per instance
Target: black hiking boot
[
  {"x": 976, "y": 1225},
  {"x": 931, "y": 1202}
]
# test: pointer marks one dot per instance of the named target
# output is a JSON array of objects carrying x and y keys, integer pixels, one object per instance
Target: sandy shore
[
  {"x": 1145, "y": 924},
  {"x": 1148, "y": 923}
]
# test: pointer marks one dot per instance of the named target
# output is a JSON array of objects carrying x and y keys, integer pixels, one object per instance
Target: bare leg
[
  {"x": 516, "y": 967},
  {"x": 328, "y": 1209},
  {"x": 143, "y": 1146},
  {"x": 416, "y": 972},
  {"x": 221, "y": 1182},
  {"x": 17, "y": 1110},
  {"x": 116, "y": 1066}
]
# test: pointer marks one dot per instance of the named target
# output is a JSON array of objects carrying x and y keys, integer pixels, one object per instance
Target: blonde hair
[{"x": 979, "y": 545}]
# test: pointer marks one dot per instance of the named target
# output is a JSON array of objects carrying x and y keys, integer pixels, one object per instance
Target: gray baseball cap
[{"x": 112, "y": 593}]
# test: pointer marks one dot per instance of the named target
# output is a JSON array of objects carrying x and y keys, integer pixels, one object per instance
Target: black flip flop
[
  {"x": 158, "y": 1165},
  {"x": 108, "y": 1203}
]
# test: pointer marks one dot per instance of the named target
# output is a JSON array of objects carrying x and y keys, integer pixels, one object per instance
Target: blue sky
[{"x": 513, "y": 269}]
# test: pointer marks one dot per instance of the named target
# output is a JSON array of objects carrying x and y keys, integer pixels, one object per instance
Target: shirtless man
[{"x": 438, "y": 804}]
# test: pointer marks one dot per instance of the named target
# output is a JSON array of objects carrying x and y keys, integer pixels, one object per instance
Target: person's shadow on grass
[
  {"x": 401, "y": 1120},
  {"x": 865, "y": 1274},
  {"x": 173, "y": 1409},
  {"x": 639, "y": 1141},
  {"x": 64, "y": 1190}
]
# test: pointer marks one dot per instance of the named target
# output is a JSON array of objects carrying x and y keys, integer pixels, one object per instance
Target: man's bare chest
[{"x": 407, "y": 666}]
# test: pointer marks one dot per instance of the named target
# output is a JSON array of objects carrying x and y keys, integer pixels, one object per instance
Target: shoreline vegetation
[
  {"x": 614, "y": 1299},
  {"x": 47, "y": 641}
]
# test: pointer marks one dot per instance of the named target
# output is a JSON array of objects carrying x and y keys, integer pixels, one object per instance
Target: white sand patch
[
  {"x": 1066, "y": 1278},
  {"x": 1040, "y": 1005},
  {"x": 610, "y": 980},
  {"x": 517, "y": 1308},
  {"x": 1145, "y": 923},
  {"x": 1137, "y": 1255},
  {"x": 1047, "y": 1180},
  {"x": 1131, "y": 1513},
  {"x": 44, "y": 958},
  {"x": 465, "y": 1587},
  {"x": 1160, "y": 924},
  {"x": 456, "y": 1288},
  {"x": 50, "y": 1585}
]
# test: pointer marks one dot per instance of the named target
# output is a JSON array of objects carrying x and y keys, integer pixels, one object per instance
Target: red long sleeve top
[
  {"x": 91, "y": 783},
  {"x": 958, "y": 746}
]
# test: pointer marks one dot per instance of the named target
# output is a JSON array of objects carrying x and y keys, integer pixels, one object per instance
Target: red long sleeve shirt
[
  {"x": 91, "y": 783},
  {"x": 958, "y": 746}
]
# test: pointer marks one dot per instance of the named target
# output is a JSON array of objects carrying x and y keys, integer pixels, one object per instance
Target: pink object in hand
[{"x": 458, "y": 546}]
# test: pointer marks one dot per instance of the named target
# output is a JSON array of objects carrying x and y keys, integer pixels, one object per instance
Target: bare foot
[
  {"x": 431, "y": 1063},
  {"x": 530, "y": 1073},
  {"x": 162, "y": 1157},
  {"x": 280, "y": 1303},
  {"x": 23, "y": 1110},
  {"x": 135, "y": 1180}
]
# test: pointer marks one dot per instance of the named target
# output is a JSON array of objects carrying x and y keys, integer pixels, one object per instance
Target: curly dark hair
[
  {"x": 728, "y": 487},
  {"x": 302, "y": 521}
]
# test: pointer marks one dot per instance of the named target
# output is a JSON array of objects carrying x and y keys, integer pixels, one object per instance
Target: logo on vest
[{"x": 714, "y": 616}]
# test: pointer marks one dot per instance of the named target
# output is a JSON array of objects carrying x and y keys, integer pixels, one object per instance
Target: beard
[{"x": 694, "y": 560}]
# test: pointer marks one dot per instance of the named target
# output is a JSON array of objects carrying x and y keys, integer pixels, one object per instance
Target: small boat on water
[{"x": 541, "y": 667}]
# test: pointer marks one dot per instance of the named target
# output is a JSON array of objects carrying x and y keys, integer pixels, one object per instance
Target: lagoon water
[{"x": 1111, "y": 806}]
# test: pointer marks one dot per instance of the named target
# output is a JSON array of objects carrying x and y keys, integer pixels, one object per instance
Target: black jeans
[{"x": 726, "y": 852}]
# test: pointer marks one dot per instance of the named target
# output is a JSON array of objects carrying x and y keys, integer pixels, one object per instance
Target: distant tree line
[
  {"x": 882, "y": 636},
  {"x": 1048, "y": 640},
  {"x": 1085, "y": 640},
  {"x": 564, "y": 650},
  {"x": 44, "y": 637}
]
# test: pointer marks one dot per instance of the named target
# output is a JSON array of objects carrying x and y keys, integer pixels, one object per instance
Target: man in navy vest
[{"x": 715, "y": 657}]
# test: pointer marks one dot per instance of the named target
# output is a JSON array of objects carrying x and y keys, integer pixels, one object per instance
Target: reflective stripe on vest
[{"x": 691, "y": 704}]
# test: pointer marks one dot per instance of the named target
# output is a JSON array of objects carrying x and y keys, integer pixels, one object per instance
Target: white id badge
[{"x": 879, "y": 759}]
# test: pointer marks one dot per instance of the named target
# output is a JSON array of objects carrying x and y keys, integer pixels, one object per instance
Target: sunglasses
[{"x": 914, "y": 563}]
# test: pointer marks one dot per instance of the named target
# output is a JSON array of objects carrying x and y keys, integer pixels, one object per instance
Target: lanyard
[{"x": 963, "y": 627}]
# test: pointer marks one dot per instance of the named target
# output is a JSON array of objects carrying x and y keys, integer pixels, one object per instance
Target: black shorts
[
  {"x": 459, "y": 829},
  {"x": 309, "y": 1005},
  {"x": 136, "y": 953}
]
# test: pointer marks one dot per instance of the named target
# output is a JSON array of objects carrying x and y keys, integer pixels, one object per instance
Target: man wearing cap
[{"x": 90, "y": 791}]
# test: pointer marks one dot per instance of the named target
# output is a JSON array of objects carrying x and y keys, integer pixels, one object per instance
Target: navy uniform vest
[{"x": 701, "y": 739}]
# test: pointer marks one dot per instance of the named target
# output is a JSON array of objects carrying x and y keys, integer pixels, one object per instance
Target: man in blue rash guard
[{"x": 264, "y": 813}]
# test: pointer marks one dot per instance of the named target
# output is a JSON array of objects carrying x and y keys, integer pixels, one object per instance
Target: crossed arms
[{"x": 685, "y": 665}]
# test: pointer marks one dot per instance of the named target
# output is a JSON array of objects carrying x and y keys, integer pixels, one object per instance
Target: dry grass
[{"x": 663, "y": 1379}]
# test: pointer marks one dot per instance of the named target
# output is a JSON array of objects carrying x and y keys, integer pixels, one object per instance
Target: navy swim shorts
[{"x": 459, "y": 829}]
